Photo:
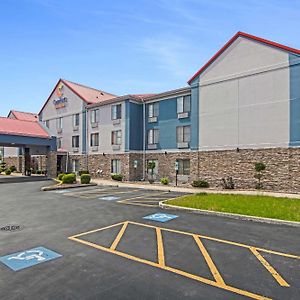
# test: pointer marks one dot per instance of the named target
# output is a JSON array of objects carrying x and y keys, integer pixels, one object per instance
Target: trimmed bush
[
  {"x": 7, "y": 172},
  {"x": 200, "y": 183},
  {"x": 69, "y": 178},
  {"x": 83, "y": 172},
  {"x": 118, "y": 177},
  {"x": 12, "y": 168},
  {"x": 164, "y": 180},
  {"x": 85, "y": 178},
  {"x": 60, "y": 176},
  {"x": 39, "y": 172}
]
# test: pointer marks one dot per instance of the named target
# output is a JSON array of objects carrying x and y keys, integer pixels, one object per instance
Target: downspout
[
  {"x": 86, "y": 139},
  {"x": 144, "y": 139}
]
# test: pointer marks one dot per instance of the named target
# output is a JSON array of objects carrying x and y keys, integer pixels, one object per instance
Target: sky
[{"x": 124, "y": 47}]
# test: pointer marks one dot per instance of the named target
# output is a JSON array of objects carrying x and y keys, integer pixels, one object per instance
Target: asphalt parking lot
[{"x": 100, "y": 246}]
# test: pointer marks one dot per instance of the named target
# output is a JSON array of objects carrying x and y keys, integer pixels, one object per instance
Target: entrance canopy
[{"x": 19, "y": 133}]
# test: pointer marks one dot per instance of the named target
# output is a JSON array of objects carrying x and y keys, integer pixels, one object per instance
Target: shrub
[
  {"x": 69, "y": 178},
  {"x": 200, "y": 183},
  {"x": 227, "y": 183},
  {"x": 39, "y": 172},
  {"x": 118, "y": 177},
  {"x": 12, "y": 168},
  {"x": 259, "y": 167},
  {"x": 164, "y": 180},
  {"x": 85, "y": 178},
  {"x": 7, "y": 172},
  {"x": 60, "y": 176},
  {"x": 83, "y": 172}
]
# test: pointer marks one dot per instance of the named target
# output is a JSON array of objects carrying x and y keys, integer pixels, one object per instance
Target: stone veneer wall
[
  {"x": 281, "y": 174},
  {"x": 282, "y": 166},
  {"x": 12, "y": 161}
]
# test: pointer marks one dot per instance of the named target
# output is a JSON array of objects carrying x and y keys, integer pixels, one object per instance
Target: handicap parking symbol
[
  {"x": 28, "y": 258},
  {"x": 160, "y": 217}
]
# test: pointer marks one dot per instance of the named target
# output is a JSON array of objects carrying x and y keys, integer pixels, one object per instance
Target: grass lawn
[{"x": 259, "y": 206}]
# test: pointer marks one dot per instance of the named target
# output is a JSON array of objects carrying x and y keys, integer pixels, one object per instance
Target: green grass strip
[{"x": 259, "y": 206}]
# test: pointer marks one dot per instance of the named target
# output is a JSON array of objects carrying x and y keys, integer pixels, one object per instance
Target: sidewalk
[{"x": 159, "y": 187}]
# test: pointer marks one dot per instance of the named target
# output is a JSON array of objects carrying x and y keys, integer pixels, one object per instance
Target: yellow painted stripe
[
  {"x": 209, "y": 261},
  {"x": 160, "y": 248},
  {"x": 220, "y": 240},
  {"x": 95, "y": 230},
  {"x": 118, "y": 237},
  {"x": 173, "y": 270},
  {"x": 273, "y": 272}
]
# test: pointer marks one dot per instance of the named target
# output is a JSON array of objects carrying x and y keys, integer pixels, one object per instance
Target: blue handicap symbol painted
[
  {"x": 28, "y": 258},
  {"x": 109, "y": 198},
  {"x": 160, "y": 217}
]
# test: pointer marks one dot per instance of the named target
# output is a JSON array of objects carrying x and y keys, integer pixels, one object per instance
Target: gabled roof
[
  {"x": 248, "y": 36},
  {"x": 170, "y": 93},
  {"x": 23, "y": 116},
  {"x": 23, "y": 128},
  {"x": 87, "y": 94}
]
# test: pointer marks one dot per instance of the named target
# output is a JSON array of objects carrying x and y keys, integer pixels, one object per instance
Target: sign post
[{"x": 176, "y": 169}]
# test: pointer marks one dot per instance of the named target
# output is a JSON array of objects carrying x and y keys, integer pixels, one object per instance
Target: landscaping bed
[{"x": 257, "y": 206}]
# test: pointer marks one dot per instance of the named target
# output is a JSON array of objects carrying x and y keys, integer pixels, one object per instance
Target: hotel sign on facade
[{"x": 61, "y": 101}]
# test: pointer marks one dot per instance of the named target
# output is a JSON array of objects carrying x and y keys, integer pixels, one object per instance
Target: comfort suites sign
[{"x": 61, "y": 101}]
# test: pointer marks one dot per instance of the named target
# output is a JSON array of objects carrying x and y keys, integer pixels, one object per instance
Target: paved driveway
[{"x": 109, "y": 251}]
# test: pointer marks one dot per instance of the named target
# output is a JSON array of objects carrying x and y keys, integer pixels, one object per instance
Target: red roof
[
  {"x": 23, "y": 128},
  {"x": 249, "y": 36},
  {"x": 23, "y": 116},
  {"x": 87, "y": 94}
]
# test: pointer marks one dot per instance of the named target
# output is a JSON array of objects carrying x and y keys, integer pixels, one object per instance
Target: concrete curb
[
  {"x": 229, "y": 215},
  {"x": 66, "y": 186},
  {"x": 189, "y": 190}
]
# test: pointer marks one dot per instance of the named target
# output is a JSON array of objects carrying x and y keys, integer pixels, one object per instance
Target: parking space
[
  {"x": 74, "y": 245},
  {"x": 158, "y": 247},
  {"x": 130, "y": 196}
]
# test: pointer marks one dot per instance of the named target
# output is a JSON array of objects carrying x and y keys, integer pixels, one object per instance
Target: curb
[
  {"x": 229, "y": 215},
  {"x": 63, "y": 187}
]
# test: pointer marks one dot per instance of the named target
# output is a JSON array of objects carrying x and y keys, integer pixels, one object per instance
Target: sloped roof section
[
  {"x": 88, "y": 94},
  {"x": 135, "y": 97},
  {"x": 22, "y": 128},
  {"x": 23, "y": 116},
  {"x": 245, "y": 35}
]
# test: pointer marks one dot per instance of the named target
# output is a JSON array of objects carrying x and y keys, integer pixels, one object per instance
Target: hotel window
[
  {"x": 59, "y": 143},
  {"x": 183, "y": 134},
  {"x": 59, "y": 123},
  {"x": 94, "y": 116},
  {"x": 116, "y": 137},
  {"x": 94, "y": 139},
  {"x": 75, "y": 141},
  {"x": 153, "y": 109},
  {"x": 75, "y": 120},
  {"x": 115, "y": 166},
  {"x": 183, "y": 166},
  {"x": 153, "y": 136},
  {"x": 183, "y": 104},
  {"x": 116, "y": 112}
]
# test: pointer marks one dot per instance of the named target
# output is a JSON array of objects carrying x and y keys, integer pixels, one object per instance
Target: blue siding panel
[
  {"x": 294, "y": 100},
  {"x": 167, "y": 122},
  {"x": 134, "y": 126}
]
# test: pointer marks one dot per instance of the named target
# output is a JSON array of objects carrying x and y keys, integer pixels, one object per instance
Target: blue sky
[{"x": 123, "y": 46}]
